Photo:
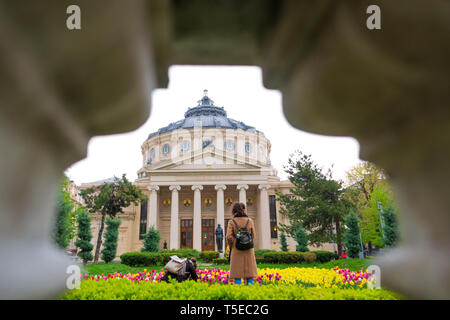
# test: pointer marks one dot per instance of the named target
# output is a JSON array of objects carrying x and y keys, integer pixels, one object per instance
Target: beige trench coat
[{"x": 242, "y": 263}]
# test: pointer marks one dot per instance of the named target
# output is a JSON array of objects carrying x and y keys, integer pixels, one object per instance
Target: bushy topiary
[
  {"x": 84, "y": 237},
  {"x": 151, "y": 240},
  {"x": 301, "y": 238},
  {"x": 352, "y": 239},
  {"x": 283, "y": 242},
  {"x": 111, "y": 237},
  {"x": 261, "y": 252},
  {"x": 390, "y": 230},
  {"x": 323, "y": 256},
  {"x": 209, "y": 255},
  {"x": 183, "y": 253},
  {"x": 220, "y": 261}
]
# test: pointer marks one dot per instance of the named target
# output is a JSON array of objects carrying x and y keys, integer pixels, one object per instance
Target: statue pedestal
[{"x": 221, "y": 255}]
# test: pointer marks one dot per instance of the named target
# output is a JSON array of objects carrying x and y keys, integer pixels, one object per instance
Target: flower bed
[
  {"x": 215, "y": 284},
  {"x": 307, "y": 277}
]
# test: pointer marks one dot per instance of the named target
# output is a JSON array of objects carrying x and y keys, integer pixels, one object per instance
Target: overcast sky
[{"x": 240, "y": 91}]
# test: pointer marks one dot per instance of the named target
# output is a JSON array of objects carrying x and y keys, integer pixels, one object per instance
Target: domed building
[{"x": 193, "y": 170}]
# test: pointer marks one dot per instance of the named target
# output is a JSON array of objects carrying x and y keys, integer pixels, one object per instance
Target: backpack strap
[
  {"x": 246, "y": 225},
  {"x": 235, "y": 223}
]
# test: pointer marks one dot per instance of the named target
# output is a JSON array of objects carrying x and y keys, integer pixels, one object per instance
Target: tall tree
[
  {"x": 316, "y": 201},
  {"x": 151, "y": 240},
  {"x": 302, "y": 238},
  {"x": 352, "y": 240},
  {"x": 283, "y": 242},
  {"x": 110, "y": 199},
  {"x": 111, "y": 237},
  {"x": 64, "y": 207},
  {"x": 84, "y": 236},
  {"x": 390, "y": 230}
]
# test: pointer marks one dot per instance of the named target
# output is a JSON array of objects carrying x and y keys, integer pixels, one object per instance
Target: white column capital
[
  {"x": 174, "y": 188},
  {"x": 197, "y": 187},
  {"x": 264, "y": 186},
  {"x": 220, "y": 187},
  {"x": 153, "y": 187},
  {"x": 242, "y": 186}
]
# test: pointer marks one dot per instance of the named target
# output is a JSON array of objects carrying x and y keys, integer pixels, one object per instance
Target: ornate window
[
  {"x": 143, "y": 220},
  {"x": 248, "y": 147},
  {"x": 249, "y": 201},
  {"x": 273, "y": 217},
  {"x": 229, "y": 145},
  {"x": 152, "y": 154},
  {"x": 185, "y": 146},
  {"x": 166, "y": 202},
  {"x": 166, "y": 149}
]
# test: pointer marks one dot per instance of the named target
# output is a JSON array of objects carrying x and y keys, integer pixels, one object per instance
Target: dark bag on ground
[{"x": 244, "y": 239}]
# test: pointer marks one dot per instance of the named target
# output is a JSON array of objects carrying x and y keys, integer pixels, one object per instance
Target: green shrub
[
  {"x": 84, "y": 236},
  {"x": 220, "y": 261},
  {"x": 183, "y": 253},
  {"x": 309, "y": 257},
  {"x": 261, "y": 252},
  {"x": 134, "y": 259},
  {"x": 259, "y": 260},
  {"x": 111, "y": 237},
  {"x": 126, "y": 290},
  {"x": 323, "y": 256},
  {"x": 208, "y": 255},
  {"x": 151, "y": 240},
  {"x": 283, "y": 257},
  {"x": 137, "y": 258}
]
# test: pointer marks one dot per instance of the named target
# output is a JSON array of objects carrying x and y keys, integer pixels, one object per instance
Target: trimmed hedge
[
  {"x": 135, "y": 259},
  {"x": 209, "y": 255},
  {"x": 220, "y": 261},
  {"x": 323, "y": 256},
  {"x": 183, "y": 253},
  {"x": 189, "y": 290},
  {"x": 261, "y": 252},
  {"x": 289, "y": 257}
]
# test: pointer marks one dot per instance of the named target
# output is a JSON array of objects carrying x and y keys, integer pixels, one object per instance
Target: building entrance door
[
  {"x": 186, "y": 233},
  {"x": 208, "y": 235}
]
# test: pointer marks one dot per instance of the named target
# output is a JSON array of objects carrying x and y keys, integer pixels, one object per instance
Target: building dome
[{"x": 207, "y": 115}]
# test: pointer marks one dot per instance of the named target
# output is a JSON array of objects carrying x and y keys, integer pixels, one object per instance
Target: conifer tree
[
  {"x": 351, "y": 235},
  {"x": 84, "y": 236},
  {"x": 111, "y": 237},
  {"x": 301, "y": 238},
  {"x": 390, "y": 230},
  {"x": 151, "y": 240},
  {"x": 284, "y": 246}
]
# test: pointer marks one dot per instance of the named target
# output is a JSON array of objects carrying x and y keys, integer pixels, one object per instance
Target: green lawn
[{"x": 106, "y": 268}]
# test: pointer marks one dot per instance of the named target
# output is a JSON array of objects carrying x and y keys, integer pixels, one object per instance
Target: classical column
[
  {"x": 197, "y": 232},
  {"x": 242, "y": 193},
  {"x": 174, "y": 232},
  {"x": 220, "y": 188},
  {"x": 264, "y": 216},
  {"x": 152, "y": 207}
]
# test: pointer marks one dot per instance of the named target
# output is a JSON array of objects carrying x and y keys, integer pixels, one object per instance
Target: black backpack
[{"x": 244, "y": 239}]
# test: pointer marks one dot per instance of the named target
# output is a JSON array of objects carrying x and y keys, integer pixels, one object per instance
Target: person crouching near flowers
[{"x": 242, "y": 262}]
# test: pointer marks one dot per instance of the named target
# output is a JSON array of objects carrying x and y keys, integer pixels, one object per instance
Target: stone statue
[{"x": 219, "y": 238}]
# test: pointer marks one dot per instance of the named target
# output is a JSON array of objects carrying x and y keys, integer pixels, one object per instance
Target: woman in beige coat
[{"x": 242, "y": 262}]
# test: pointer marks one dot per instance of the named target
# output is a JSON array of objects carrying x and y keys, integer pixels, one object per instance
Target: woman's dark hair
[{"x": 238, "y": 211}]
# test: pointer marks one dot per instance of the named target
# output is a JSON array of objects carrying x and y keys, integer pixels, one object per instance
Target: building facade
[{"x": 193, "y": 171}]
